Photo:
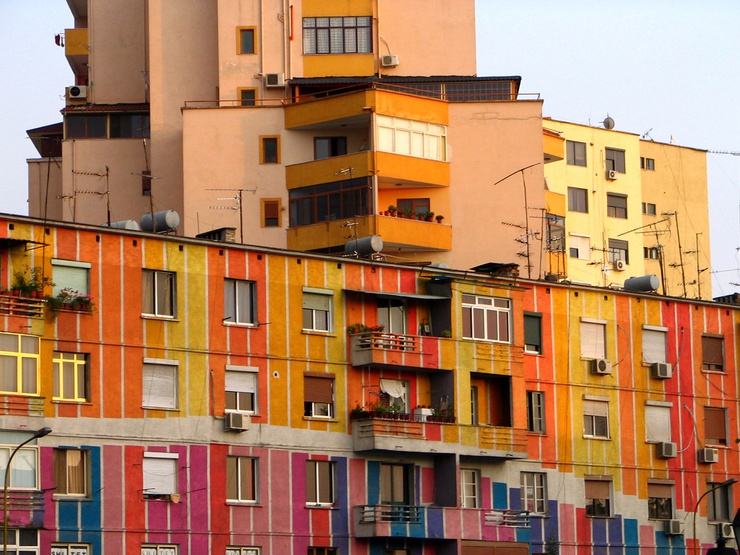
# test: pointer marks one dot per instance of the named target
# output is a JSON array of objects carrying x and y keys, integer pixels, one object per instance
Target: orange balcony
[
  {"x": 553, "y": 146},
  {"x": 398, "y": 234},
  {"x": 76, "y": 49},
  {"x": 326, "y": 170},
  {"x": 21, "y": 306},
  {"x": 393, "y": 349}
]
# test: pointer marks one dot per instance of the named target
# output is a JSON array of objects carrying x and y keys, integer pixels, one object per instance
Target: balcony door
[
  {"x": 395, "y": 484},
  {"x": 392, "y": 315}
]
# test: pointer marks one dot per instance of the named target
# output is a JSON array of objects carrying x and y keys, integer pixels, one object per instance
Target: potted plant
[
  {"x": 446, "y": 334},
  {"x": 54, "y": 304},
  {"x": 429, "y": 216},
  {"x": 439, "y": 218},
  {"x": 409, "y": 213},
  {"x": 392, "y": 211},
  {"x": 38, "y": 282}
]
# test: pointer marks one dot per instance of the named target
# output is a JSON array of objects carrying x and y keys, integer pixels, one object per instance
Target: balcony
[
  {"x": 26, "y": 508},
  {"x": 394, "y": 350},
  {"x": 402, "y": 433},
  {"x": 21, "y": 306},
  {"x": 429, "y": 522},
  {"x": 398, "y": 234},
  {"x": 76, "y": 50}
]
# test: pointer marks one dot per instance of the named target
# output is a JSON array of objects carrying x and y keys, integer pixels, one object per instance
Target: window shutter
[
  {"x": 657, "y": 423},
  {"x": 712, "y": 350},
  {"x": 318, "y": 390},
  {"x": 532, "y": 329},
  {"x": 714, "y": 424},
  {"x": 316, "y": 301},
  {"x": 595, "y": 408},
  {"x": 160, "y": 386},
  {"x": 160, "y": 475},
  {"x": 664, "y": 491},
  {"x": 271, "y": 209},
  {"x": 72, "y": 277},
  {"x": 597, "y": 489},
  {"x": 592, "y": 340},
  {"x": 244, "y": 382},
  {"x": 653, "y": 346}
]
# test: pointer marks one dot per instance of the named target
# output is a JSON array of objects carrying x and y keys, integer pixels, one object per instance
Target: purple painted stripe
[
  {"x": 196, "y": 500},
  {"x": 301, "y": 521}
]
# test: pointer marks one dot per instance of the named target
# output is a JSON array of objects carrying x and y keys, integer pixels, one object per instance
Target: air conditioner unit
[
  {"x": 601, "y": 366},
  {"x": 673, "y": 527},
  {"x": 661, "y": 370},
  {"x": 274, "y": 80},
  {"x": 389, "y": 60},
  {"x": 620, "y": 265},
  {"x": 612, "y": 174},
  {"x": 725, "y": 530},
  {"x": 77, "y": 92},
  {"x": 666, "y": 450},
  {"x": 236, "y": 422},
  {"x": 708, "y": 455}
]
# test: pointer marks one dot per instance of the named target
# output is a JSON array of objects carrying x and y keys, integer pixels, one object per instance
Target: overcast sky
[{"x": 667, "y": 67}]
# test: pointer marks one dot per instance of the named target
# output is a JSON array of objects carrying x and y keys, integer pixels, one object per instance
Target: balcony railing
[
  {"x": 506, "y": 517},
  {"x": 21, "y": 306},
  {"x": 26, "y": 508},
  {"x": 390, "y": 513},
  {"x": 394, "y": 349}
]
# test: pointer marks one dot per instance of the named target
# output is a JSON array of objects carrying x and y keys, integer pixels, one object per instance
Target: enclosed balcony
[
  {"x": 76, "y": 49},
  {"x": 429, "y": 522}
]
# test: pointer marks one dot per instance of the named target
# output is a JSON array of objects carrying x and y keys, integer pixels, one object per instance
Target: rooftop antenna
[{"x": 237, "y": 206}]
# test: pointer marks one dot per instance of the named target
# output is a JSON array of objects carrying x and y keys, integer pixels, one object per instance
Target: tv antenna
[{"x": 238, "y": 203}]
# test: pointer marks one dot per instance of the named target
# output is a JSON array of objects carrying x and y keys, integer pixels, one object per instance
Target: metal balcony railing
[
  {"x": 408, "y": 514},
  {"x": 22, "y": 306},
  {"x": 507, "y": 517}
]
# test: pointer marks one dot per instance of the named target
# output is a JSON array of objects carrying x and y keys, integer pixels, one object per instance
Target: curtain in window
[
  {"x": 165, "y": 290},
  {"x": 147, "y": 292},
  {"x": 29, "y": 375},
  {"x": 394, "y": 388},
  {"x": 8, "y": 373}
]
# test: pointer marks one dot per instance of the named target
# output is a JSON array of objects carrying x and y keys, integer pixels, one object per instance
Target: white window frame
[
  {"x": 70, "y": 274},
  {"x": 239, "y": 462},
  {"x": 408, "y": 137},
  {"x": 242, "y": 380},
  {"x": 533, "y": 492},
  {"x": 158, "y": 376},
  {"x": 334, "y": 32},
  {"x": 84, "y": 462},
  {"x": 14, "y": 540},
  {"x": 318, "y": 304},
  {"x": 470, "y": 488},
  {"x": 610, "y": 499},
  {"x": 21, "y": 348},
  {"x": 618, "y": 250},
  {"x": 536, "y": 412},
  {"x": 472, "y": 304},
  {"x": 657, "y": 421},
  {"x": 660, "y": 485},
  {"x": 163, "y": 301},
  {"x": 581, "y": 245},
  {"x": 235, "y": 311},
  {"x": 78, "y": 365},
  {"x": 26, "y": 460},
  {"x": 595, "y": 417},
  {"x": 159, "y": 467},
  {"x": 70, "y": 549},
  {"x": 315, "y": 477},
  {"x": 160, "y": 549},
  {"x": 654, "y": 344},
  {"x": 243, "y": 550}
]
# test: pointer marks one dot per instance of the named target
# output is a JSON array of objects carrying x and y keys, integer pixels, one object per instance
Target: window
[
  {"x": 715, "y": 425},
  {"x": 159, "y": 384},
  {"x": 86, "y": 126},
  {"x": 580, "y": 247},
  {"x": 532, "y": 333},
  {"x": 241, "y": 479},
  {"x": 159, "y": 549},
  {"x": 395, "y": 394},
  {"x": 272, "y": 210},
  {"x": 616, "y": 205},
  {"x": 327, "y": 147},
  {"x": 25, "y": 541},
  {"x": 19, "y": 363},
  {"x": 70, "y": 274},
  {"x": 412, "y": 137},
  {"x": 129, "y": 126},
  {"x": 395, "y": 484},
  {"x": 555, "y": 233},
  {"x": 158, "y": 293},
  {"x": 575, "y": 153},
  {"x": 330, "y": 201},
  {"x": 269, "y": 150},
  {"x": 240, "y": 301},
  {"x": 318, "y": 395},
  {"x": 416, "y": 205},
  {"x": 70, "y": 377},
  {"x": 536, "y": 411},
  {"x": 596, "y": 419},
  {"x": 647, "y": 163},
  {"x": 712, "y": 349},
  {"x": 317, "y": 310},
  {"x": 247, "y": 97},
  {"x": 24, "y": 471},
  {"x": 322, "y": 551},
  {"x": 246, "y": 43},
  {"x": 67, "y": 549},
  {"x": 577, "y": 200},
  {"x": 618, "y": 250},
  {"x": 337, "y": 35},
  {"x": 470, "y": 488},
  {"x": 146, "y": 182},
  {"x": 239, "y": 550},
  {"x": 651, "y": 253},
  {"x": 719, "y": 502},
  {"x": 486, "y": 318},
  {"x": 593, "y": 339},
  {"x": 614, "y": 159},
  {"x": 71, "y": 472},
  {"x": 654, "y": 344},
  {"x": 103, "y": 126},
  {"x": 598, "y": 497},
  {"x": 657, "y": 422},
  {"x": 660, "y": 501},
  {"x": 160, "y": 474},
  {"x": 392, "y": 314},
  {"x": 648, "y": 208},
  {"x": 241, "y": 389},
  {"x": 320, "y": 482},
  {"x": 534, "y": 492}
]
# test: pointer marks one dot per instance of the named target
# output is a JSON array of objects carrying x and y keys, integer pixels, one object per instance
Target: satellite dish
[{"x": 608, "y": 122}]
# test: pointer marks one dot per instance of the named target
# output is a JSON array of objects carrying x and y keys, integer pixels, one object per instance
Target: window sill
[
  {"x": 246, "y": 325},
  {"x": 321, "y": 418},
  {"x": 71, "y": 498},
  {"x": 235, "y": 503},
  {"x": 163, "y": 409},
  {"x": 533, "y": 353},
  {"x": 159, "y": 317},
  {"x": 597, "y": 438},
  {"x": 712, "y": 371},
  {"x": 70, "y": 402},
  {"x": 324, "y": 506},
  {"x": 319, "y": 333}
]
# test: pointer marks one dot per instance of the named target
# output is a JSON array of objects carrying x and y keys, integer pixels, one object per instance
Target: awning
[{"x": 417, "y": 296}]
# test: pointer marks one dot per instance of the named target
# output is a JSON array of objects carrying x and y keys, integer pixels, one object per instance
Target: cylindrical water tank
[
  {"x": 167, "y": 220},
  {"x": 131, "y": 225},
  {"x": 364, "y": 246},
  {"x": 642, "y": 283}
]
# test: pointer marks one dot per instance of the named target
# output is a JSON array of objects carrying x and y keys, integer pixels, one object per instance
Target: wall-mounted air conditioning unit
[
  {"x": 77, "y": 92},
  {"x": 673, "y": 527},
  {"x": 236, "y": 422},
  {"x": 274, "y": 80},
  {"x": 620, "y": 265},
  {"x": 389, "y": 60},
  {"x": 661, "y": 370},
  {"x": 601, "y": 366},
  {"x": 708, "y": 455},
  {"x": 666, "y": 450},
  {"x": 612, "y": 174},
  {"x": 725, "y": 530}
]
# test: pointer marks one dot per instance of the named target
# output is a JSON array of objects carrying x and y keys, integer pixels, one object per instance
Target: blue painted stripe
[
  {"x": 598, "y": 532},
  {"x": 499, "y": 492},
  {"x": 92, "y": 510},
  {"x": 339, "y": 520},
  {"x": 435, "y": 522},
  {"x": 631, "y": 536},
  {"x": 616, "y": 536},
  {"x": 373, "y": 482}
]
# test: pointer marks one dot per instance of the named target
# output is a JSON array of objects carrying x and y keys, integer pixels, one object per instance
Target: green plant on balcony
[
  {"x": 439, "y": 218},
  {"x": 428, "y": 216},
  {"x": 446, "y": 333},
  {"x": 75, "y": 300},
  {"x": 392, "y": 210},
  {"x": 409, "y": 213},
  {"x": 30, "y": 282},
  {"x": 362, "y": 328}
]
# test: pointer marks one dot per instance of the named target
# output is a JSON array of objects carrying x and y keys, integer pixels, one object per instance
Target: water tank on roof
[
  {"x": 131, "y": 225},
  {"x": 167, "y": 220},
  {"x": 364, "y": 246},
  {"x": 642, "y": 283}
]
